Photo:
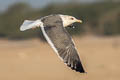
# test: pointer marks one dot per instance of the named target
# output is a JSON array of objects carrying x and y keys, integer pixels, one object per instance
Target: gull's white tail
[{"x": 28, "y": 24}]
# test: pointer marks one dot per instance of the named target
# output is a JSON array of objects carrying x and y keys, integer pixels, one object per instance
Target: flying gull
[{"x": 53, "y": 29}]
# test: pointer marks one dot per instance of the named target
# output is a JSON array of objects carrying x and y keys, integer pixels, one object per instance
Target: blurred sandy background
[
  {"x": 26, "y": 55},
  {"x": 35, "y": 60}
]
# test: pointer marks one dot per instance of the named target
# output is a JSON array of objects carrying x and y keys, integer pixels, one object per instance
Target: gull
[{"x": 53, "y": 29}]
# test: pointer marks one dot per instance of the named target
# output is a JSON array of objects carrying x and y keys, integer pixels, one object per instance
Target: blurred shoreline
[{"x": 33, "y": 59}]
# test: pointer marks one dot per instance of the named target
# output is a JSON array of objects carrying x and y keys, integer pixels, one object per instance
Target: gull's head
[{"x": 68, "y": 20}]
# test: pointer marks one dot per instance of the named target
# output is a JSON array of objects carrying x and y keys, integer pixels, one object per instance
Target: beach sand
[{"x": 36, "y": 60}]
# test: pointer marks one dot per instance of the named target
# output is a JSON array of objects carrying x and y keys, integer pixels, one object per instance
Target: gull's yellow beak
[{"x": 80, "y": 21}]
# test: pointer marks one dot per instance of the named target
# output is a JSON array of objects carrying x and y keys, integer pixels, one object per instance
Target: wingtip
[
  {"x": 80, "y": 68},
  {"x": 77, "y": 68}
]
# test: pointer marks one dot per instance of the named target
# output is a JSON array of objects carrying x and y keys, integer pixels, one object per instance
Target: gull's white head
[{"x": 68, "y": 20}]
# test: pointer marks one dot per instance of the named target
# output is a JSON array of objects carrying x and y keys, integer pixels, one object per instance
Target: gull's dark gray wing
[{"x": 62, "y": 43}]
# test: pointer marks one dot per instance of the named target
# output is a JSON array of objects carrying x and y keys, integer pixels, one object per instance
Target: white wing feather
[{"x": 28, "y": 24}]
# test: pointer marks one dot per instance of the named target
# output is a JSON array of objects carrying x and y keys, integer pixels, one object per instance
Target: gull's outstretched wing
[{"x": 62, "y": 43}]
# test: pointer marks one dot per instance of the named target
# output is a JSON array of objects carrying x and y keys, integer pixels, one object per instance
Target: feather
[{"x": 28, "y": 24}]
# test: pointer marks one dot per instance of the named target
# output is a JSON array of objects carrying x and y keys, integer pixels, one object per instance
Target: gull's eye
[{"x": 72, "y": 18}]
